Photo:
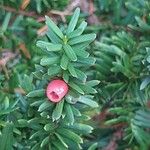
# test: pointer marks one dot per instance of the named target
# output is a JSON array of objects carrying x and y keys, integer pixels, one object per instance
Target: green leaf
[
  {"x": 82, "y": 38},
  {"x": 49, "y": 127},
  {"x": 140, "y": 135},
  {"x": 81, "y": 53},
  {"x": 58, "y": 145},
  {"x": 44, "y": 105},
  {"x": 92, "y": 83},
  {"x": 49, "y": 46},
  {"x": 64, "y": 62},
  {"x": 82, "y": 26},
  {"x": 6, "y": 140},
  {"x": 117, "y": 120},
  {"x": 54, "y": 70},
  {"x": 69, "y": 114},
  {"x": 36, "y": 146},
  {"x": 81, "y": 128},
  {"x": 61, "y": 139},
  {"x": 6, "y": 22},
  {"x": 71, "y": 144},
  {"x": 74, "y": 33},
  {"x": 142, "y": 24},
  {"x": 81, "y": 46},
  {"x": 87, "y": 89},
  {"x": 72, "y": 70},
  {"x": 81, "y": 75},
  {"x": 36, "y": 103},
  {"x": 88, "y": 61},
  {"x": 45, "y": 61},
  {"x": 69, "y": 134},
  {"x": 70, "y": 52},
  {"x": 6, "y": 102},
  {"x": 53, "y": 37},
  {"x": 87, "y": 101},
  {"x": 57, "y": 112},
  {"x": 23, "y": 122},
  {"x": 93, "y": 146},
  {"x": 119, "y": 110},
  {"x": 76, "y": 112},
  {"x": 36, "y": 134},
  {"x": 73, "y": 22},
  {"x": 38, "y": 74},
  {"x": 66, "y": 76},
  {"x": 76, "y": 87},
  {"x": 53, "y": 26},
  {"x": 45, "y": 141},
  {"x": 78, "y": 31},
  {"x": 142, "y": 118},
  {"x": 144, "y": 83},
  {"x": 36, "y": 93},
  {"x": 26, "y": 83}
]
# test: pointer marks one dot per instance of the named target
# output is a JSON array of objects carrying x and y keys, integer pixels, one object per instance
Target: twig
[
  {"x": 29, "y": 14},
  {"x": 32, "y": 14}
]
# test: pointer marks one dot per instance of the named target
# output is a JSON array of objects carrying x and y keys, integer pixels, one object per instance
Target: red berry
[{"x": 56, "y": 90}]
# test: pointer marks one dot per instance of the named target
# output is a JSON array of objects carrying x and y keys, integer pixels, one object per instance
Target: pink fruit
[{"x": 56, "y": 90}]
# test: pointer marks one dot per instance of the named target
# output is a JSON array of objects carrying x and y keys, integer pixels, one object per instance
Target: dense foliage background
[{"x": 122, "y": 52}]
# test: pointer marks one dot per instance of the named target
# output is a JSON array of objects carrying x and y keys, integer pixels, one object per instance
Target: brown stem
[{"x": 29, "y": 14}]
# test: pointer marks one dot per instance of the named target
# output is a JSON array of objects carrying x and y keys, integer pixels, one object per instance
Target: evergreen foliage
[{"x": 109, "y": 77}]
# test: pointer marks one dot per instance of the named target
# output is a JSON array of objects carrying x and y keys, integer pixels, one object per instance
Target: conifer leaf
[
  {"x": 93, "y": 146},
  {"x": 49, "y": 46},
  {"x": 82, "y": 128},
  {"x": 45, "y": 141},
  {"x": 6, "y": 22},
  {"x": 69, "y": 134},
  {"x": 142, "y": 24},
  {"x": 82, "y": 38},
  {"x": 53, "y": 37},
  {"x": 88, "y": 89},
  {"x": 78, "y": 31},
  {"x": 142, "y": 119},
  {"x": 81, "y": 53},
  {"x": 49, "y": 127},
  {"x": 69, "y": 114},
  {"x": 81, "y": 46},
  {"x": 82, "y": 26},
  {"x": 66, "y": 76},
  {"x": 49, "y": 60},
  {"x": 6, "y": 140},
  {"x": 87, "y": 61},
  {"x": 44, "y": 106},
  {"x": 70, "y": 52},
  {"x": 76, "y": 112},
  {"x": 140, "y": 135},
  {"x": 58, "y": 145},
  {"x": 36, "y": 146},
  {"x": 144, "y": 83},
  {"x": 57, "y": 112},
  {"x": 72, "y": 70},
  {"x": 87, "y": 101},
  {"x": 54, "y": 70},
  {"x": 92, "y": 83},
  {"x": 54, "y": 27},
  {"x": 26, "y": 83},
  {"x": 64, "y": 62},
  {"x": 73, "y": 21},
  {"x": 36, "y": 93},
  {"x": 61, "y": 139},
  {"x": 74, "y": 33},
  {"x": 81, "y": 75},
  {"x": 76, "y": 87}
]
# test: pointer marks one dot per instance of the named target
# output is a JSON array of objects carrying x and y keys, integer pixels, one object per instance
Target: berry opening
[{"x": 54, "y": 95}]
